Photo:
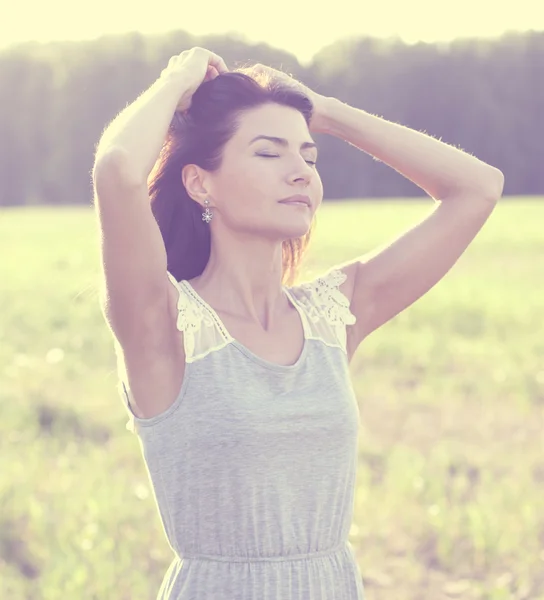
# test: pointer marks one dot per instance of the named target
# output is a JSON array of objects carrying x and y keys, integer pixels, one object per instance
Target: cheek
[
  {"x": 317, "y": 188},
  {"x": 241, "y": 196},
  {"x": 243, "y": 184}
]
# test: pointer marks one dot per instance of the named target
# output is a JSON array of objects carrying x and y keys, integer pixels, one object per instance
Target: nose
[{"x": 303, "y": 172}]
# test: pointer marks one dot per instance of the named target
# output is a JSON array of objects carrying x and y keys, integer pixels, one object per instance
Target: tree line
[{"x": 483, "y": 96}]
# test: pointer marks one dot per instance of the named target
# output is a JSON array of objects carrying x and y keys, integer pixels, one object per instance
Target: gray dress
[{"x": 253, "y": 466}]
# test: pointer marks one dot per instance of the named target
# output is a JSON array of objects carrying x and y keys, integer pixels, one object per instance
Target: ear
[{"x": 193, "y": 178}]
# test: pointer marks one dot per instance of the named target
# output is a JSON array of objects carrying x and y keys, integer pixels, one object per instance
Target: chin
[
  {"x": 282, "y": 228},
  {"x": 296, "y": 231}
]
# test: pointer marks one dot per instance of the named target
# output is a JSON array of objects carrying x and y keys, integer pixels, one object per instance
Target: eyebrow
[{"x": 282, "y": 141}]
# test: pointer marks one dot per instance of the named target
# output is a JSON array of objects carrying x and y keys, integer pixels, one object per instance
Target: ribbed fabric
[{"x": 253, "y": 466}]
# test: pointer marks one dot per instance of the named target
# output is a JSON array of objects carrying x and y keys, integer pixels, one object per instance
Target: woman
[{"x": 235, "y": 379}]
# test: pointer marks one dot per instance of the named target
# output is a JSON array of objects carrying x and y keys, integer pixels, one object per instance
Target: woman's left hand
[{"x": 317, "y": 122}]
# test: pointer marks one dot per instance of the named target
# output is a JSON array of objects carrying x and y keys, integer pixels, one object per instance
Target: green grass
[{"x": 450, "y": 494}]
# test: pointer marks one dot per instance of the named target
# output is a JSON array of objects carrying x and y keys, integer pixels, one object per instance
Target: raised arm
[{"x": 135, "y": 287}]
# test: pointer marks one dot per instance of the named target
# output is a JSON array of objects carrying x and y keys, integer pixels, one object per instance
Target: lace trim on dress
[
  {"x": 191, "y": 316},
  {"x": 321, "y": 302},
  {"x": 326, "y": 300}
]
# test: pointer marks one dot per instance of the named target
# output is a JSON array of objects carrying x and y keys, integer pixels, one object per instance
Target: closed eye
[{"x": 310, "y": 162}]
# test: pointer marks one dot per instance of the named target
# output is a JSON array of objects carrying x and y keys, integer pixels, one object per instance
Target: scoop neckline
[{"x": 244, "y": 349}]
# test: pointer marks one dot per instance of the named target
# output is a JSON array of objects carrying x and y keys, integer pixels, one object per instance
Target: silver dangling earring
[{"x": 207, "y": 215}]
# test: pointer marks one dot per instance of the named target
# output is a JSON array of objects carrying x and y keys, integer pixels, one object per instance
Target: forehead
[{"x": 273, "y": 120}]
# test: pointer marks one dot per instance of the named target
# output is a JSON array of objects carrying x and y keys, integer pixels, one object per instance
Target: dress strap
[
  {"x": 202, "y": 331},
  {"x": 327, "y": 307}
]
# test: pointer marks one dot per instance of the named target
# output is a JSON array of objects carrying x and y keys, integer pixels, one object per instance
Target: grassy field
[{"x": 450, "y": 495}]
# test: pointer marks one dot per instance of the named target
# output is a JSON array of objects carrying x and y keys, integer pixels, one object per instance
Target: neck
[{"x": 243, "y": 278}]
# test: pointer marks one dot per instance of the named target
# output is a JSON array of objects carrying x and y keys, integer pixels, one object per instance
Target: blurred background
[
  {"x": 433, "y": 67},
  {"x": 450, "y": 492}
]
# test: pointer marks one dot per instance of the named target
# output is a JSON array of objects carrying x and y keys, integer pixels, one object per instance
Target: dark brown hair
[{"x": 198, "y": 137}]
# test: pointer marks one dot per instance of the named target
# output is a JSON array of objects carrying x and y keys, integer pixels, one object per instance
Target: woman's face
[{"x": 256, "y": 174}]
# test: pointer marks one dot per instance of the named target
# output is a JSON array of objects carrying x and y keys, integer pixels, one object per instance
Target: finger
[
  {"x": 218, "y": 63},
  {"x": 211, "y": 73}
]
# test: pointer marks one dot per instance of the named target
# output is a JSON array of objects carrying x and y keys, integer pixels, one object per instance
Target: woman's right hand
[{"x": 192, "y": 68}]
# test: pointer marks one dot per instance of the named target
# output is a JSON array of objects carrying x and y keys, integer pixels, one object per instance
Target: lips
[{"x": 297, "y": 199}]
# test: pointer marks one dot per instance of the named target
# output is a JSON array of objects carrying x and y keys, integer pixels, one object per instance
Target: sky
[{"x": 298, "y": 26}]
